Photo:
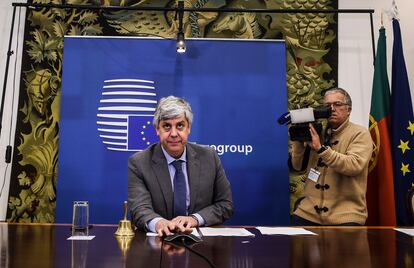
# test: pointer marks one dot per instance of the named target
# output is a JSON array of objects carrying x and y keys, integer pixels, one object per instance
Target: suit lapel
[
  {"x": 193, "y": 171},
  {"x": 163, "y": 177}
]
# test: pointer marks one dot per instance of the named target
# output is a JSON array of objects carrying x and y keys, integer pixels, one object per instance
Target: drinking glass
[{"x": 80, "y": 223}]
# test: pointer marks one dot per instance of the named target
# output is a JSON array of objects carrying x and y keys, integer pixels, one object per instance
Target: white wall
[
  {"x": 355, "y": 63},
  {"x": 355, "y": 66}
]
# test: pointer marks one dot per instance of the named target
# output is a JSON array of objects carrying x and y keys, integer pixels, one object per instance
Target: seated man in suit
[{"x": 173, "y": 185}]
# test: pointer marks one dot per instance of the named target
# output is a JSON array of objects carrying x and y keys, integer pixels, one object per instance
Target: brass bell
[{"x": 124, "y": 226}]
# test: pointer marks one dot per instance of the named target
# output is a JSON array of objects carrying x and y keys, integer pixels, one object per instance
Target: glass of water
[{"x": 80, "y": 222}]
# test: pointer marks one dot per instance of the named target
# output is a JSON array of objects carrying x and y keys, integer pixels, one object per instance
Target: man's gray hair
[
  {"x": 172, "y": 107},
  {"x": 343, "y": 92}
]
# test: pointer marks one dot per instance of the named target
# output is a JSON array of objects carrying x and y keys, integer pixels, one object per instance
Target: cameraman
[{"x": 336, "y": 168}]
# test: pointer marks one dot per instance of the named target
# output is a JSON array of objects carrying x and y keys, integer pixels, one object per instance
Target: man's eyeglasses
[{"x": 336, "y": 104}]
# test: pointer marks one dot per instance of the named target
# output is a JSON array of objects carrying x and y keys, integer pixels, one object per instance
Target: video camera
[{"x": 300, "y": 119}]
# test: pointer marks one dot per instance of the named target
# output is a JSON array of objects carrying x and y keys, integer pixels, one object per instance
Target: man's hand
[
  {"x": 299, "y": 145},
  {"x": 165, "y": 227},
  {"x": 315, "y": 143},
  {"x": 185, "y": 224}
]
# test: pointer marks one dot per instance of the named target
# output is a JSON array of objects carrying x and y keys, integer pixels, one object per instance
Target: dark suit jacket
[{"x": 150, "y": 193}]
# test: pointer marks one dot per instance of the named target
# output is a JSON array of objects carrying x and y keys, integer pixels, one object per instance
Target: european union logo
[
  {"x": 141, "y": 133},
  {"x": 125, "y": 112}
]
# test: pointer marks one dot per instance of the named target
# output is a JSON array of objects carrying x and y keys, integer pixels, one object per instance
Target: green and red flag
[{"x": 380, "y": 189}]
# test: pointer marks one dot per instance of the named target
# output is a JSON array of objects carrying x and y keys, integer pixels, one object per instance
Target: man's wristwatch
[{"x": 322, "y": 149}]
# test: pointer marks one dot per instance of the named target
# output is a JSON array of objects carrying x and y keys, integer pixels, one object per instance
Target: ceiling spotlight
[
  {"x": 180, "y": 35},
  {"x": 180, "y": 43}
]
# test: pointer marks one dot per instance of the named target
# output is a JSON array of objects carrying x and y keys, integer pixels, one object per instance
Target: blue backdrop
[{"x": 237, "y": 90}]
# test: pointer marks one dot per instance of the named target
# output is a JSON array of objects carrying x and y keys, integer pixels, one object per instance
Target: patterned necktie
[{"x": 180, "y": 190}]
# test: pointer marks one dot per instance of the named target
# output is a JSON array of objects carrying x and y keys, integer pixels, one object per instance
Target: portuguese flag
[{"x": 380, "y": 190}]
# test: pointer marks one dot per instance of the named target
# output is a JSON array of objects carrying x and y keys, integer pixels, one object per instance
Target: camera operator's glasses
[{"x": 336, "y": 104}]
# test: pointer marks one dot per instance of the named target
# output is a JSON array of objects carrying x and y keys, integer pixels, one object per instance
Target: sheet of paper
[
  {"x": 81, "y": 237},
  {"x": 405, "y": 231},
  {"x": 284, "y": 231},
  {"x": 207, "y": 231},
  {"x": 193, "y": 233}
]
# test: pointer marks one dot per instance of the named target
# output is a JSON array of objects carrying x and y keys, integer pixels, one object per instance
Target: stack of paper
[
  {"x": 207, "y": 231},
  {"x": 405, "y": 231},
  {"x": 284, "y": 231},
  {"x": 81, "y": 237}
]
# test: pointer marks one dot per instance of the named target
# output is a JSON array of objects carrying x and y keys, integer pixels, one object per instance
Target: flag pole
[{"x": 372, "y": 38}]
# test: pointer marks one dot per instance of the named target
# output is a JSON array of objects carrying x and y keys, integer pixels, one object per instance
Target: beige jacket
[{"x": 339, "y": 194}]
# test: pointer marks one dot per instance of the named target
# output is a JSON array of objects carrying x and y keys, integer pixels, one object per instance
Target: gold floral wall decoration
[{"x": 311, "y": 69}]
